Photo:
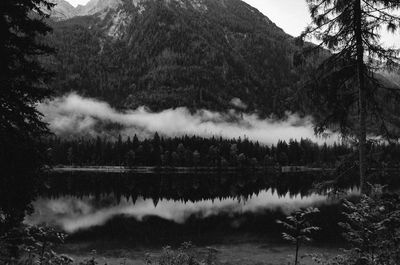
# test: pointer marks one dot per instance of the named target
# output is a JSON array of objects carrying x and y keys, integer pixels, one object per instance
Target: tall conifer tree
[
  {"x": 347, "y": 83},
  {"x": 22, "y": 86}
]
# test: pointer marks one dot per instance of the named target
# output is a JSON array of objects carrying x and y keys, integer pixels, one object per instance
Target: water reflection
[
  {"x": 178, "y": 187},
  {"x": 72, "y": 213},
  {"x": 81, "y": 201}
]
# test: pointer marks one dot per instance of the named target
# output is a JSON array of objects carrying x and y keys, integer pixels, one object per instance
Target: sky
[
  {"x": 77, "y": 2},
  {"x": 291, "y": 15}
]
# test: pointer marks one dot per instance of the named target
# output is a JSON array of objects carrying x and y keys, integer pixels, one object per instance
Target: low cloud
[
  {"x": 73, "y": 115},
  {"x": 238, "y": 103}
]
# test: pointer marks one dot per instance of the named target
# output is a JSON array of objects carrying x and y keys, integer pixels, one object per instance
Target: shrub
[
  {"x": 298, "y": 228},
  {"x": 184, "y": 255}
]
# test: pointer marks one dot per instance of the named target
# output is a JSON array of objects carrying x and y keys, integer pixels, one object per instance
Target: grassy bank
[{"x": 239, "y": 253}]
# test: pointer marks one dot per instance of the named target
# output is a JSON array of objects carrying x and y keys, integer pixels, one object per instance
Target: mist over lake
[{"x": 73, "y": 115}]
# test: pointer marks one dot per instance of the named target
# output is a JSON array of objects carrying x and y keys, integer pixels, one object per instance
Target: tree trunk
[
  {"x": 362, "y": 133},
  {"x": 297, "y": 252}
]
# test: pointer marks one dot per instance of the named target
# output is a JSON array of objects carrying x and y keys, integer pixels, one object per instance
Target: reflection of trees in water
[
  {"x": 219, "y": 228},
  {"x": 179, "y": 187},
  {"x": 107, "y": 189}
]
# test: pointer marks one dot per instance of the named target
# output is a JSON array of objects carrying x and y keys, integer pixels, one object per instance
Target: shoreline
[
  {"x": 156, "y": 169},
  {"x": 233, "y": 253}
]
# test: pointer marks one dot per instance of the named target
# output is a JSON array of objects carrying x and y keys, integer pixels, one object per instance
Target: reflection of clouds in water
[{"x": 73, "y": 214}]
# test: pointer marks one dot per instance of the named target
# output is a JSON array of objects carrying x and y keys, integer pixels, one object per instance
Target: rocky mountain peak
[
  {"x": 64, "y": 10},
  {"x": 95, "y": 6}
]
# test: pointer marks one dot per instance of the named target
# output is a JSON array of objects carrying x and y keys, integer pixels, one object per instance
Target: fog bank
[{"x": 73, "y": 115}]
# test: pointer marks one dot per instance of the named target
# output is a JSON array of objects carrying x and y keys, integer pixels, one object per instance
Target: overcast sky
[{"x": 291, "y": 15}]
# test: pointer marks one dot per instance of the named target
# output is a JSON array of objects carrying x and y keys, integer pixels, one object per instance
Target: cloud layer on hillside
[{"x": 73, "y": 115}]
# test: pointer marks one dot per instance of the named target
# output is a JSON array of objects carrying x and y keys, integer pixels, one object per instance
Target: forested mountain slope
[{"x": 170, "y": 53}]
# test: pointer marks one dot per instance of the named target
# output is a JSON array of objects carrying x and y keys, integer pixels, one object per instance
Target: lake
[{"x": 120, "y": 214}]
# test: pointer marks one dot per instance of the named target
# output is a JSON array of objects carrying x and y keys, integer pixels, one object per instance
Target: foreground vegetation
[{"x": 371, "y": 228}]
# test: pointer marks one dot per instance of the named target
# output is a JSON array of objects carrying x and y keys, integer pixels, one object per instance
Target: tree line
[{"x": 194, "y": 151}]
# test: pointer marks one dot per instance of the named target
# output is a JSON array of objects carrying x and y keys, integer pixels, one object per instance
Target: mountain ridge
[
  {"x": 171, "y": 53},
  {"x": 64, "y": 10}
]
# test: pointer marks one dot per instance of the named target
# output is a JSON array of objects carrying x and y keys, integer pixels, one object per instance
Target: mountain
[
  {"x": 96, "y": 6},
  {"x": 64, "y": 10},
  {"x": 169, "y": 53}
]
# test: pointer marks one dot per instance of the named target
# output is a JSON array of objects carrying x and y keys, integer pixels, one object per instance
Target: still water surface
[
  {"x": 73, "y": 214},
  {"x": 90, "y": 204}
]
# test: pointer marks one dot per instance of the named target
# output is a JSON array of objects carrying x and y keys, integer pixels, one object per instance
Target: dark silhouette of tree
[
  {"x": 203, "y": 152},
  {"x": 371, "y": 228},
  {"x": 22, "y": 84},
  {"x": 347, "y": 83},
  {"x": 130, "y": 158}
]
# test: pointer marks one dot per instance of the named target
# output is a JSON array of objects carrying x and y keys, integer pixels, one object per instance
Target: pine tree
[
  {"x": 299, "y": 228},
  {"x": 22, "y": 86},
  {"x": 347, "y": 83}
]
